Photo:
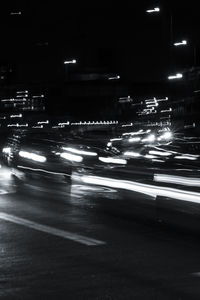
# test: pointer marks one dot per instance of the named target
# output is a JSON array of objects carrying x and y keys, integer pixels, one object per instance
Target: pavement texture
[{"x": 81, "y": 241}]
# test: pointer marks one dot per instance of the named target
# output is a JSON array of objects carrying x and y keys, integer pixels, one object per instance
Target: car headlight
[
  {"x": 110, "y": 160},
  {"x": 80, "y": 152},
  {"x": 6, "y": 150},
  {"x": 71, "y": 157},
  {"x": 32, "y": 156}
]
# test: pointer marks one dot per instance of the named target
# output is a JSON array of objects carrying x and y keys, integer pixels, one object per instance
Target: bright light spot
[
  {"x": 71, "y": 157},
  {"x": 109, "y": 144},
  {"x": 6, "y": 150},
  {"x": 165, "y": 136},
  {"x": 151, "y": 138},
  {"x": 5, "y": 174},
  {"x": 133, "y": 133},
  {"x": 186, "y": 157},
  {"x": 110, "y": 160},
  {"x": 39, "y": 126},
  {"x": 114, "y": 77},
  {"x": 64, "y": 123},
  {"x": 82, "y": 152},
  {"x": 134, "y": 139},
  {"x": 73, "y": 61},
  {"x": 153, "y": 152},
  {"x": 133, "y": 154},
  {"x": 156, "y": 9},
  {"x": 116, "y": 139},
  {"x": 177, "y": 76},
  {"x": 149, "y": 156},
  {"x": 177, "y": 179},
  {"x": 43, "y": 122},
  {"x": 16, "y": 116},
  {"x": 13, "y": 13},
  {"x": 17, "y": 125},
  {"x": 32, "y": 156},
  {"x": 151, "y": 190},
  {"x": 184, "y": 42}
]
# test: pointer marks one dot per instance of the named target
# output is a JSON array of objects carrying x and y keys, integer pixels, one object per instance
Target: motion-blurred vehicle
[
  {"x": 36, "y": 154},
  {"x": 52, "y": 154},
  {"x": 89, "y": 158}
]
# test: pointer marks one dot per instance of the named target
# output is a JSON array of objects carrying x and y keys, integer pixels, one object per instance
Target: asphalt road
[{"x": 85, "y": 242}]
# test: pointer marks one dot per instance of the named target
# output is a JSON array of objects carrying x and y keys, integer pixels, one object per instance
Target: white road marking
[{"x": 51, "y": 230}]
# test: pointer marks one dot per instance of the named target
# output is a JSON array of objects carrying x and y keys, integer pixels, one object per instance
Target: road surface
[{"x": 84, "y": 242}]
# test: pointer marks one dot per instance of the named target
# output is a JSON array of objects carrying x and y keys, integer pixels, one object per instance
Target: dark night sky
[{"x": 120, "y": 37}]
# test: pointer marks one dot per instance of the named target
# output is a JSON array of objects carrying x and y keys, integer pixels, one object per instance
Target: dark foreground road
[{"x": 61, "y": 242}]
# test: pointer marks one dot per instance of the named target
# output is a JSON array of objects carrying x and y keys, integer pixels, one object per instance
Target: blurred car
[
  {"x": 36, "y": 154},
  {"x": 90, "y": 158}
]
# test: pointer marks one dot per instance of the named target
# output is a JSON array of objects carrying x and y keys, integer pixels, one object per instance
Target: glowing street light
[
  {"x": 67, "y": 62},
  {"x": 154, "y": 10},
  {"x": 176, "y": 76},
  {"x": 114, "y": 77},
  {"x": 15, "y": 13},
  {"x": 182, "y": 43}
]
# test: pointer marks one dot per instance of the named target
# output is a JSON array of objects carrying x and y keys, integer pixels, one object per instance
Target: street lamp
[
  {"x": 176, "y": 76},
  {"x": 154, "y": 10},
  {"x": 67, "y": 62},
  {"x": 182, "y": 43},
  {"x": 15, "y": 13},
  {"x": 114, "y": 77}
]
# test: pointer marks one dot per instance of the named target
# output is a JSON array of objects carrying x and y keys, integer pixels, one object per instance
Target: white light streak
[
  {"x": 182, "y": 43},
  {"x": 71, "y": 157},
  {"x": 147, "y": 189},
  {"x": 154, "y": 152},
  {"x": 64, "y": 123},
  {"x": 189, "y": 181},
  {"x": 16, "y": 116},
  {"x": 43, "y": 122},
  {"x": 116, "y": 139},
  {"x": 133, "y": 133},
  {"x": 110, "y": 160},
  {"x": 185, "y": 157},
  {"x": 176, "y": 76},
  {"x": 132, "y": 154},
  {"x": 149, "y": 156},
  {"x": 114, "y": 77},
  {"x": 154, "y": 10},
  {"x": 151, "y": 138},
  {"x": 17, "y": 125},
  {"x": 81, "y": 152},
  {"x": 73, "y": 61},
  {"x": 134, "y": 139},
  {"x": 166, "y": 136},
  {"x": 15, "y": 13},
  {"x": 32, "y": 156},
  {"x": 38, "y": 126}
]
